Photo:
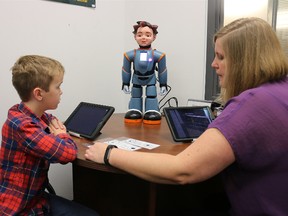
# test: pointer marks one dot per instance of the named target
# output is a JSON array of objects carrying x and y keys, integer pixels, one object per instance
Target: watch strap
[{"x": 107, "y": 154}]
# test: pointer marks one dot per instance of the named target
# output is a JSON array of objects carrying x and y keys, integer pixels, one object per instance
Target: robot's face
[{"x": 144, "y": 36}]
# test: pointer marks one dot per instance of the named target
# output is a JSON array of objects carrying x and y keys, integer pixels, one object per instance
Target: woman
[{"x": 247, "y": 142}]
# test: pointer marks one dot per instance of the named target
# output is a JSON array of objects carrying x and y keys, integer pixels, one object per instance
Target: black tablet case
[
  {"x": 187, "y": 123},
  {"x": 88, "y": 119}
]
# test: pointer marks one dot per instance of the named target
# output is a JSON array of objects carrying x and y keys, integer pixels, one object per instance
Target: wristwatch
[{"x": 107, "y": 154}]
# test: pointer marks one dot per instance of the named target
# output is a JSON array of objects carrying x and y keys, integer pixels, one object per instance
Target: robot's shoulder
[
  {"x": 158, "y": 55},
  {"x": 130, "y": 55}
]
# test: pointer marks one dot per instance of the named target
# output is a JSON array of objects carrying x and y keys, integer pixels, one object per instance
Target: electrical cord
[{"x": 169, "y": 100}]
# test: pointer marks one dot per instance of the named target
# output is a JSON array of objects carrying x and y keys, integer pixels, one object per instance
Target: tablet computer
[
  {"x": 88, "y": 119},
  {"x": 188, "y": 123}
]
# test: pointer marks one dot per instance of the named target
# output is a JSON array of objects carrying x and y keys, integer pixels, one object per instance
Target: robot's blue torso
[{"x": 144, "y": 64}]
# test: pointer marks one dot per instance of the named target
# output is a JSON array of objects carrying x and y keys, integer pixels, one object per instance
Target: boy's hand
[{"x": 57, "y": 127}]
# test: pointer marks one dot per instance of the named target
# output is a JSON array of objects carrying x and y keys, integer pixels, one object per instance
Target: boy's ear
[{"x": 37, "y": 94}]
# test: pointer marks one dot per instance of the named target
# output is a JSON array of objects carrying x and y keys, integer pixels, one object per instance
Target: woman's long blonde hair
[{"x": 253, "y": 54}]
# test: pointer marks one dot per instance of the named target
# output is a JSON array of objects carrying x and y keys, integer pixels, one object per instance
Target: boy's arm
[{"x": 55, "y": 145}]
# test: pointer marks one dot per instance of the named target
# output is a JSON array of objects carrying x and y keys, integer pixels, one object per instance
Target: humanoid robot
[{"x": 145, "y": 63}]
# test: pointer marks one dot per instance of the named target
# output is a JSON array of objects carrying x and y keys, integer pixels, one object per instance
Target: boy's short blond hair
[{"x": 32, "y": 71}]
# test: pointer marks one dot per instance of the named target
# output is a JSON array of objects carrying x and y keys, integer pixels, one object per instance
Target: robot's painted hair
[{"x": 144, "y": 24}]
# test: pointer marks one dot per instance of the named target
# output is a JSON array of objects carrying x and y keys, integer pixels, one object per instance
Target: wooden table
[{"x": 113, "y": 192}]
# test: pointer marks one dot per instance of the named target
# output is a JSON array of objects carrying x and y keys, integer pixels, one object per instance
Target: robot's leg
[
  {"x": 134, "y": 114},
  {"x": 152, "y": 114}
]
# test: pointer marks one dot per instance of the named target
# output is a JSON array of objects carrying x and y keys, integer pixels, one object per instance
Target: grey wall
[{"x": 90, "y": 44}]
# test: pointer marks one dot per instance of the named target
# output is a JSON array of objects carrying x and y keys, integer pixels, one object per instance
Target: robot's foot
[
  {"x": 133, "y": 116},
  {"x": 152, "y": 117}
]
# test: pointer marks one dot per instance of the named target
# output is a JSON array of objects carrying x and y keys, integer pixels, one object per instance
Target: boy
[{"x": 32, "y": 139}]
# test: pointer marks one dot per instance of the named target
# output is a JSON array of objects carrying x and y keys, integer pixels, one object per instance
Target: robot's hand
[
  {"x": 126, "y": 89},
  {"x": 163, "y": 91}
]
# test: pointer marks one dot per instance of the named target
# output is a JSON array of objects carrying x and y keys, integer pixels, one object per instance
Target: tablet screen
[
  {"x": 188, "y": 123},
  {"x": 88, "y": 119}
]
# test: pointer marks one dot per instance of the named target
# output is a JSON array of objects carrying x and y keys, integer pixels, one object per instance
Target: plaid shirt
[{"x": 26, "y": 152}]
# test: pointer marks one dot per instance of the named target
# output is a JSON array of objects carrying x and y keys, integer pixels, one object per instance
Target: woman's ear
[{"x": 37, "y": 94}]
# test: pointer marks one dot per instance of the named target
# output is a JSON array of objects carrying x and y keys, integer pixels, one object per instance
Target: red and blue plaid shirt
[{"x": 26, "y": 152}]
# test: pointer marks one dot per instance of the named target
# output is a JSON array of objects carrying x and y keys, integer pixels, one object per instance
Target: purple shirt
[{"x": 255, "y": 123}]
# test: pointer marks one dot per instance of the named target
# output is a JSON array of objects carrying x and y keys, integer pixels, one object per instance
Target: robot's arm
[
  {"x": 163, "y": 90},
  {"x": 162, "y": 73},
  {"x": 162, "y": 70},
  {"x": 126, "y": 71},
  {"x": 126, "y": 89}
]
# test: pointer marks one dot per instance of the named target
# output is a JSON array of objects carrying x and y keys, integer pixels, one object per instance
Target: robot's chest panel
[{"x": 144, "y": 61}]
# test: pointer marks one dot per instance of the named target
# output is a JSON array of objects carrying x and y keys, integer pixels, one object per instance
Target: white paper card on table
[
  {"x": 123, "y": 145},
  {"x": 143, "y": 144},
  {"x": 129, "y": 143},
  {"x": 120, "y": 144}
]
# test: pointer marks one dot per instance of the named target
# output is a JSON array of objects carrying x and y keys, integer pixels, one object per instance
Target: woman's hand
[{"x": 96, "y": 152}]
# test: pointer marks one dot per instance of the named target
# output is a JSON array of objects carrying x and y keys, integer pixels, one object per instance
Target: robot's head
[{"x": 143, "y": 24}]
